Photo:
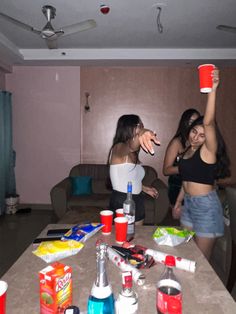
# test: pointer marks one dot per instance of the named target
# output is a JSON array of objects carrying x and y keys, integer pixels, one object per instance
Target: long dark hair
[
  {"x": 125, "y": 130},
  {"x": 183, "y": 127},
  {"x": 222, "y": 158}
]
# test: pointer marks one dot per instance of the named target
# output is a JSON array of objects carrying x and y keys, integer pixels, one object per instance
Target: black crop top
[{"x": 196, "y": 170}]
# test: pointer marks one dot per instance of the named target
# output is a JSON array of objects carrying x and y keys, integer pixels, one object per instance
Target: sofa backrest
[
  {"x": 150, "y": 175},
  {"x": 96, "y": 171},
  {"x": 99, "y": 174}
]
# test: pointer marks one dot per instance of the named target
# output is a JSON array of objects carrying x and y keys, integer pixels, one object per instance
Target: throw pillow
[{"x": 81, "y": 185}]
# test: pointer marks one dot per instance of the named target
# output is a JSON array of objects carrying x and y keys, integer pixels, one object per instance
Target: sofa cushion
[
  {"x": 81, "y": 185},
  {"x": 99, "y": 186}
]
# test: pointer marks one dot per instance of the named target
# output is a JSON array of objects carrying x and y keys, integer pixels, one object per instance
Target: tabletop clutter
[
  {"x": 56, "y": 279},
  {"x": 129, "y": 258}
]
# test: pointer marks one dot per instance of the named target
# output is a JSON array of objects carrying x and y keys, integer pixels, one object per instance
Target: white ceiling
[{"x": 127, "y": 35}]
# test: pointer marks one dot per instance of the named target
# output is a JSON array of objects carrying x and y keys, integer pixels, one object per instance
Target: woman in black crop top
[
  {"x": 205, "y": 161},
  {"x": 174, "y": 152}
]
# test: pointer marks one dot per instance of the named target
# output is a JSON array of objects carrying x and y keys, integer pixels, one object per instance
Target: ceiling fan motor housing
[{"x": 49, "y": 12}]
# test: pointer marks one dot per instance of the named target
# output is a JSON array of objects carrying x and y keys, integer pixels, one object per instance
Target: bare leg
[{"x": 205, "y": 245}]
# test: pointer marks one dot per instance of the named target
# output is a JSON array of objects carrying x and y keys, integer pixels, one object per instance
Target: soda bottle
[
  {"x": 169, "y": 295},
  {"x": 129, "y": 211},
  {"x": 127, "y": 301},
  {"x": 101, "y": 299}
]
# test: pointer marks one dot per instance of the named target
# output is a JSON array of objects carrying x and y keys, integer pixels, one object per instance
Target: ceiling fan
[
  {"x": 48, "y": 33},
  {"x": 226, "y": 28}
]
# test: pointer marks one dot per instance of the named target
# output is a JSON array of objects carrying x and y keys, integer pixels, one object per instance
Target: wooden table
[{"x": 203, "y": 292}]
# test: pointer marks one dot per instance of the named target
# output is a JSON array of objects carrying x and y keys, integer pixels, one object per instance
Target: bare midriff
[{"x": 195, "y": 189}]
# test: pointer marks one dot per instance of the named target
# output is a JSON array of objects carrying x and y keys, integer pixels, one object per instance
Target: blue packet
[{"x": 82, "y": 232}]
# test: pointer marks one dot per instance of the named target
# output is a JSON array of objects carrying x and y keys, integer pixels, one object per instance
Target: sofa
[{"x": 64, "y": 203}]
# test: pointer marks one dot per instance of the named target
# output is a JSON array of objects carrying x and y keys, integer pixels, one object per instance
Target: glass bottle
[
  {"x": 127, "y": 301},
  {"x": 129, "y": 211},
  {"x": 169, "y": 294},
  {"x": 101, "y": 299}
]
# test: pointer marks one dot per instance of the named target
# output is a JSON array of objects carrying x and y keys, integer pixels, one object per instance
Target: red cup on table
[
  {"x": 205, "y": 77},
  {"x": 106, "y": 217},
  {"x": 121, "y": 225},
  {"x": 120, "y": 212},
  {"x": 3, "y": 295}
]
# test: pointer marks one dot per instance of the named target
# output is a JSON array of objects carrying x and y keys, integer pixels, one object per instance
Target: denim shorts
[{"x": 203, "y": 214}]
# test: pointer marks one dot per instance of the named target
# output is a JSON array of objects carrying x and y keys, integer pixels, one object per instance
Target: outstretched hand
[
  {"x": 215, "y": 79},
  {"x": 146, "y": 140}
]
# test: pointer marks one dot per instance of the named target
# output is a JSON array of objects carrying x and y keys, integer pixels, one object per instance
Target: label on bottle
[{"x": 169, "y": 297}]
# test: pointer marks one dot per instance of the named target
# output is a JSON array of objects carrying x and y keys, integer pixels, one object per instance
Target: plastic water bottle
[
  {"x": 101, "y": 299},
  {"x": 129, "y": 211},
  {"x": 169, "y": 295},
  {"x": 127, "y": 301}
]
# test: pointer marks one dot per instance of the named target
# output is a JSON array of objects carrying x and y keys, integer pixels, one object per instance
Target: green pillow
[{"x": 81, "y": 185}]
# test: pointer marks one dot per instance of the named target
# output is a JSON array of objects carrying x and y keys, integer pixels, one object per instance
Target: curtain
[{"x": 7, "y": 155}]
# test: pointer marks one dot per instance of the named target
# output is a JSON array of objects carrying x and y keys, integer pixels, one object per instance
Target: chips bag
[
  {"x": 51, "y": 251},
  {"x": 171, "y": 236},
  {"x": 82, "y": 232}
]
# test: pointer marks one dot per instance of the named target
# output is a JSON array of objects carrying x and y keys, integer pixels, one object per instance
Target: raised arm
[
  {"x": 172, "y": 151},
  {"x": 209, "y": 117}
]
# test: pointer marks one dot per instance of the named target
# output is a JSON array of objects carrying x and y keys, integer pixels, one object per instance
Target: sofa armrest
[
  {"x": 162, "y": 202},
  {"x": 59, "y": 196}
]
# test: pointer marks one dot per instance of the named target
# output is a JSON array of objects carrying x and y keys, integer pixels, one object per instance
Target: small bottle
[
  {"x": 169, "y": 295},
  {"x": 101, "y": 299},
  {"x": 129, "y": 211},
  {"x": 127, "y": 301}
]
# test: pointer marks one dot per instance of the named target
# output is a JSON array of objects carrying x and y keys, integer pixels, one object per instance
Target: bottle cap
[
  {"x": 72, "y": 310},
  {"x": 170, "y": 260},
  {"x": 127, "y": 279},
  {"x": 129, "y": 187}
]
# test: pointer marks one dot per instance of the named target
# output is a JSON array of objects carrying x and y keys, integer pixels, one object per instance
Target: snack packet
[
  {"x": 82, "y": 232},
  {"x": 171, "y": 236},
  {"x": 52, "y": 251}
]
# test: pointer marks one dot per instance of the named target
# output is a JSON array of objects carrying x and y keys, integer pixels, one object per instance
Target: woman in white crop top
[{"x": 124, "y": 163}]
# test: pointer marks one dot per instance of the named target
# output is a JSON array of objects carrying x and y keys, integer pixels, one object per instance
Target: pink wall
[
  {"x": 46, "y": 127},
  {"x": 2, "y": 80},
  {"x": 47, "y": 115}
]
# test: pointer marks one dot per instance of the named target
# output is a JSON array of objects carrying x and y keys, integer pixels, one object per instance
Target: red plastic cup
[
  {"x": 205, "y": 77},
  {"x": 106, "y": 219},
  {"x": 120, "y": 212},
  {"x": 3, "y": 295},
  {"x": 121, "y": 224}
]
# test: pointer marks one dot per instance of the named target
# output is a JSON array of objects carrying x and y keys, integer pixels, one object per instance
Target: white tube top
[{"x": 121, "y": 174}]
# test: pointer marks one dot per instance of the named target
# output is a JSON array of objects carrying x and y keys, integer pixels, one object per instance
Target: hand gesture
[
  {"x": 215, "y": 79},
  {"x": 146, "y": 140}
]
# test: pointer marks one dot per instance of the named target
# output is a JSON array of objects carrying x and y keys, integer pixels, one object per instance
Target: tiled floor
[{"x": 19, "y": 230}]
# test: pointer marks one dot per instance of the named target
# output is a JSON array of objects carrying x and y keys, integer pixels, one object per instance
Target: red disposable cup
[
  {"x": 205, "y": 77},
  {"x": 3, "y": 295},
  {"x": 106, "y": 219},
  {"x": 121, "y": 224},
  {"x": 120, "y": 212}
]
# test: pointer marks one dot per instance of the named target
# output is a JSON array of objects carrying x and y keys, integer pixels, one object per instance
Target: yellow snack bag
[{"x": 51, "y": 251}]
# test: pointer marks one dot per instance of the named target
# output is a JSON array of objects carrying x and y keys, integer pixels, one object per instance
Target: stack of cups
[
  {"x": 3, "y": 294},
  {"x": 121, "y": 224}
]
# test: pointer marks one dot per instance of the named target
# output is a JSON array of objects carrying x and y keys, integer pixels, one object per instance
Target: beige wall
[{"x": 159, "y": 95}]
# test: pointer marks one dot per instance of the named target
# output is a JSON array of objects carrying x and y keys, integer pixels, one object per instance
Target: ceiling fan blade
[
  {"x": 52, "y": 44},
  {"x": 19, "y": 23},
  {"x": 226, "y": 28},
  {"x": 79, "y": 27}
]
